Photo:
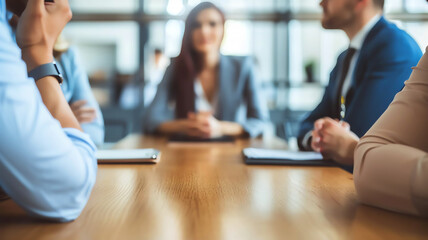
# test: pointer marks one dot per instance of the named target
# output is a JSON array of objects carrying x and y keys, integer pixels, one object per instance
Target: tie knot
[{"x": 351, "y": 51}]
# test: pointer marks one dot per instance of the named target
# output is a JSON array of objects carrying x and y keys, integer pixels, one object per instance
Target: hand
[
  {"x": 83, "y": 114},
  {"x": 38, "y": 28},
  {"x": 334, "y": 140},
  {"x": 210, "y": 127}
]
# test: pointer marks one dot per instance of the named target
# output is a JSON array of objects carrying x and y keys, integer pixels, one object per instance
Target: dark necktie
[{"x": 340, "y": 109}]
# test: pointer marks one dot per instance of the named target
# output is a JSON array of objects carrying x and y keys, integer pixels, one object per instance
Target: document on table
[
  {"x": 148, "y": 155},
  {"x": 284, "y": 157}
]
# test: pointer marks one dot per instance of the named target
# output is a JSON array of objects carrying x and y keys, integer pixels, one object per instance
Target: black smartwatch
[{"x": 48, "y": 69}]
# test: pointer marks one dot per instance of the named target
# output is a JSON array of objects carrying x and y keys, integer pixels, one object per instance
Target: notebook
[{"x": 260, "y": 156}]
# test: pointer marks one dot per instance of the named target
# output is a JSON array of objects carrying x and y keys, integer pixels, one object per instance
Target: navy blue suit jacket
[{"x": 383, "y": 65}]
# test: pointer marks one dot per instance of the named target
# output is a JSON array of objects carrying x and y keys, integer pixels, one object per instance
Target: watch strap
[{"x": 48, "y": 69}]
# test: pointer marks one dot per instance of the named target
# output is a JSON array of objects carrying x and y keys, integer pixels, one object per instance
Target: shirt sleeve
[
  {"x": 47, "y": 170},
  {"x": 160, "y": 109},
  {"x": 391, "y": 160},
  {"x": 82, "y": 91}
]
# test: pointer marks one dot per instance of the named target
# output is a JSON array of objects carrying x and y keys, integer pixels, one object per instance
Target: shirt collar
[
  {"x": 9, "y": 15},
  {"x": 358, "y": 40}
]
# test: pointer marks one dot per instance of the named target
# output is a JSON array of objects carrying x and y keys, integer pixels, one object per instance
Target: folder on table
[{"x": 260, "y": 156}]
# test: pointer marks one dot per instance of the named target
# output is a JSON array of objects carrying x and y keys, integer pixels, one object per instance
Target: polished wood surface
[{"x": 207, "y": 192}]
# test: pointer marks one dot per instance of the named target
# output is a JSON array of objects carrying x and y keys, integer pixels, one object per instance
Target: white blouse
[{"x": 202, "y": 104}]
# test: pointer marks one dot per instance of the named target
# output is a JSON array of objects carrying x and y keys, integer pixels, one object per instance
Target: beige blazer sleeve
[{"x": 391, "y": 160}]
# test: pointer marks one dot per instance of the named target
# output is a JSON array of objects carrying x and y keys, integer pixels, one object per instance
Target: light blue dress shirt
[
  {"x": 49, "y": 171},
  {"x": 76, "y": 87}
]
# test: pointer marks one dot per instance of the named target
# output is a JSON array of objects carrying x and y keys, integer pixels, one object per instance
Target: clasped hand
[
  {"x": 202, "y": 124},
  {"x": 334, "y": 140}
]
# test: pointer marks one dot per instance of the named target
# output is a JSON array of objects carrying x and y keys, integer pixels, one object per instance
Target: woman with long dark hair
[{"x": 203, "y": 93}]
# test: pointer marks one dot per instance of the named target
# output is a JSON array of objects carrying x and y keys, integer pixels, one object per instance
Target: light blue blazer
[{"x": 239, "y": 98}]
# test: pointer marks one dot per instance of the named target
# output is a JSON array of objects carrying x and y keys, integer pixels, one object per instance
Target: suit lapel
[
  {"x": 366, "y": 50},
  {"x": 364, "y": 58},
  {"x": 225, "y": 89}
]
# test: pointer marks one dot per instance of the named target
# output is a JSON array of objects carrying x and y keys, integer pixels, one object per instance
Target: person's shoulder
[
  {"x": 70, "y": 53},
  {"x": 241, "y": 63},
  {"x": 391, "y": 38},
  {"x": 239, "y": 60}
]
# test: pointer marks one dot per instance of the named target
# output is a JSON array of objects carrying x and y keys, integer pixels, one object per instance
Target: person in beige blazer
[{"x": 391, "y": 160}]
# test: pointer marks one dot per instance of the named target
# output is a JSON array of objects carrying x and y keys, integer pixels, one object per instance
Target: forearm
[
  {"x": 55, "y": 102},
  {"x": 171, "y": 127},
  {"x": 49, "y": 88},
  {"x": 231, "y": 129},
  {"x": 389, "y": 176}
]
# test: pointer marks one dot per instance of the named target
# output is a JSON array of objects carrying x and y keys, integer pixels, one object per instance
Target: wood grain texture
[{"x": 207, "y": 192}]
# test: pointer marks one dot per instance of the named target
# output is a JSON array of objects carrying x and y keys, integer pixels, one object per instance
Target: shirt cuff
[
  {"x": 306, "y": 142},
  {"x": 77, "y": 135}
]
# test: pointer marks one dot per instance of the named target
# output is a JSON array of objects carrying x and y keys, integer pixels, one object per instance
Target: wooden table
[{"x": 207, "y": 192}]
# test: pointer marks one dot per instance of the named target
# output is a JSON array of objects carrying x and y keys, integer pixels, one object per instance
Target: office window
[
  {"x": 107, "y": 51},
  {"x": 419, "y": 31},
  {"x": 305, "y": 6},
  {"x": 416, "y": 6},
  {"x": 311, "y": 61},
  {"x": 393, "y": 6},
  {"x": 104, "y": 6},
  {"x": 178, "y": 7}
]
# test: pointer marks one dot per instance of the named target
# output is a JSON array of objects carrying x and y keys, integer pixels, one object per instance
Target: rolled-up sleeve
[
  {"x": 391, "y": 160},
  {"x": 49, "y": 171}
]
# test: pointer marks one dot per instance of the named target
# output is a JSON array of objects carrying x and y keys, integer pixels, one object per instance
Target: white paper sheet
[
  {"x": 148, "y": 153},
  {"x": 258, "y": 153}
]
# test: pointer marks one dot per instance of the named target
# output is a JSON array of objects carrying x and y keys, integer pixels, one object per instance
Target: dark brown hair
[
  {"x": 379, "y": 3},
  {"x": 187, "y": 65}
]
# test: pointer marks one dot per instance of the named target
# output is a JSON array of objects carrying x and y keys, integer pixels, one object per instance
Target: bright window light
[{"x": 175, "y": 7}]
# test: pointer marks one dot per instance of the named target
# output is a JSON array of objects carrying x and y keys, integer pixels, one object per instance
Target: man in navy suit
[{"x": 364, "y": 81}]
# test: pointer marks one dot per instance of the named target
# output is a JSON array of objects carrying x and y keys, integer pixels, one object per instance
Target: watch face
[{"x": 59, "y": 75}]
